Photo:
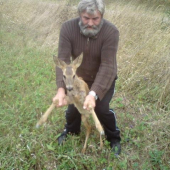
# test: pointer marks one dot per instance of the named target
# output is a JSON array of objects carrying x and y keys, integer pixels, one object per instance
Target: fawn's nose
[{"x": 69, "y": 88}]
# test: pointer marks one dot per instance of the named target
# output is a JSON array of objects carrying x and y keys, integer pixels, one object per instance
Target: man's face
[{"x": 90, "y": 24}]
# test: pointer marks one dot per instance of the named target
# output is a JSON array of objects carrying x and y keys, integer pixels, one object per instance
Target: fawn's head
[{"x": 69, "y": 70}]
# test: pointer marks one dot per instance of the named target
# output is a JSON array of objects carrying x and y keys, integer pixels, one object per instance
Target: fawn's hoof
[
  {"x": 37, "y": 126},
  {"x": 102, "y": 133}
]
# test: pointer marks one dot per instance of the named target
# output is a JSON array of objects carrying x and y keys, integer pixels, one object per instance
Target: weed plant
[{"x": 28, "y": 38}]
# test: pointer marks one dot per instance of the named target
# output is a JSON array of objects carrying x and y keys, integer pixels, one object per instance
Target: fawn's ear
[
  {"x": 59, "y": 62},
  {"x": 77, "y": 62}
]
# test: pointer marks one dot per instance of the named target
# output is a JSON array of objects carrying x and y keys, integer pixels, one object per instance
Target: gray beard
[{"x": 90, "y": 33}]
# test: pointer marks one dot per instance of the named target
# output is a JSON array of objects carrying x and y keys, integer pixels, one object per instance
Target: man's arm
[
  {"x": 108, "y": 67},
  {"x": 107, "y": 71},
  {"x": 64, "y": 53}
]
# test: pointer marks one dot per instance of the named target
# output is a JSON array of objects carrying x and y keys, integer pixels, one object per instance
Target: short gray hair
[{"x": 90, "y": 6}]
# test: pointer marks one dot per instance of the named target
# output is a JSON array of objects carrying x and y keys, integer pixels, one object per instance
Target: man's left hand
[{"x": 90, "y": 102}]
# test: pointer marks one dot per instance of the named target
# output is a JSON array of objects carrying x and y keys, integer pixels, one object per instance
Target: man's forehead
[{"x": 91, "y": 15}]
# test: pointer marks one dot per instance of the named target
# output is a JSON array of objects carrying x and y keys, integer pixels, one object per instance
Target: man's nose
[{"x": 90, "y": 23}]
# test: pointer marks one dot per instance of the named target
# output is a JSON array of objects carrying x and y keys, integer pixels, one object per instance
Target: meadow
[{"x": 29, "y": 32}]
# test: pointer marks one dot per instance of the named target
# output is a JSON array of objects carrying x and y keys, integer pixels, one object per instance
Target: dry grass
[
  {"x": 41, "y": 20},
  {"x": 143, "y": 54},
  {"x": 144, "y": 41}
]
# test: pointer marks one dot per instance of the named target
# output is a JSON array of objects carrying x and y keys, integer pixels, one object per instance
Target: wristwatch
[{"x": 93, "y": 94}]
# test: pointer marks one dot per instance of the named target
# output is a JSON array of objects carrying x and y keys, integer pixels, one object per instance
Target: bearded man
[{"x": 98, "y": 39}]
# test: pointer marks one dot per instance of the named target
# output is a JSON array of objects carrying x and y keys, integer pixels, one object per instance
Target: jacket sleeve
[
  {"x": 107, "y": 72},
  {"x": 64, "y": 53}
]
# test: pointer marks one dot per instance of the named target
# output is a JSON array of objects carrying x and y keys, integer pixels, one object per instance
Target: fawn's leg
[
  {"x": 45, "y": 115},
  {"x": 98, "y": 126},
  {"x": 101, "y": 142},
  {"x": 97, "y": 122},
  {"x": 48, "y": 112},
  {"x": 88, "y": 130}
]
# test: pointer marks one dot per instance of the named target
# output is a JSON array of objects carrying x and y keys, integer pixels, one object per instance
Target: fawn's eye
[
  {"x": 64, "y": 76},
  {"x": 73, "y": 76}
]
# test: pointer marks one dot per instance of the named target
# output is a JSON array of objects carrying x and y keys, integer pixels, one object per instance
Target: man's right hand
[{"x": 60, "y": 98}]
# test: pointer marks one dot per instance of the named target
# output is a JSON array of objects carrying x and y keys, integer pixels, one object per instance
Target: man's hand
[
  {"x": 60, "y": 98},
  {"x": 90, "y": 102}
]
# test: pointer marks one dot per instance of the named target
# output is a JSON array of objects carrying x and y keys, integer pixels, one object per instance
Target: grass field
[{"x": 28, "y": 38}]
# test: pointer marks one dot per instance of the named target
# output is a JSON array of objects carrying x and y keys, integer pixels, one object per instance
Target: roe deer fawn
[{"x": 77, "y": 90}]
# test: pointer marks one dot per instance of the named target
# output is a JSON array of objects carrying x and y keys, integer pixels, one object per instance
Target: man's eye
[
  {"x": 86, "y": 18},
  {"x": 95, "y": 19}
]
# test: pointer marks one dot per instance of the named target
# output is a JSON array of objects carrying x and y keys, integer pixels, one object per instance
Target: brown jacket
[{"x": 99, "y": 64}]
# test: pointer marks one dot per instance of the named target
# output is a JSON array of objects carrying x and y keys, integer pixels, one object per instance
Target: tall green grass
[{"x": 28, "y": 39}]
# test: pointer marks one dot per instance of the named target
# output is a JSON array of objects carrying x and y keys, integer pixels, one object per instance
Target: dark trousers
[{"x": 105, "y": 115}]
